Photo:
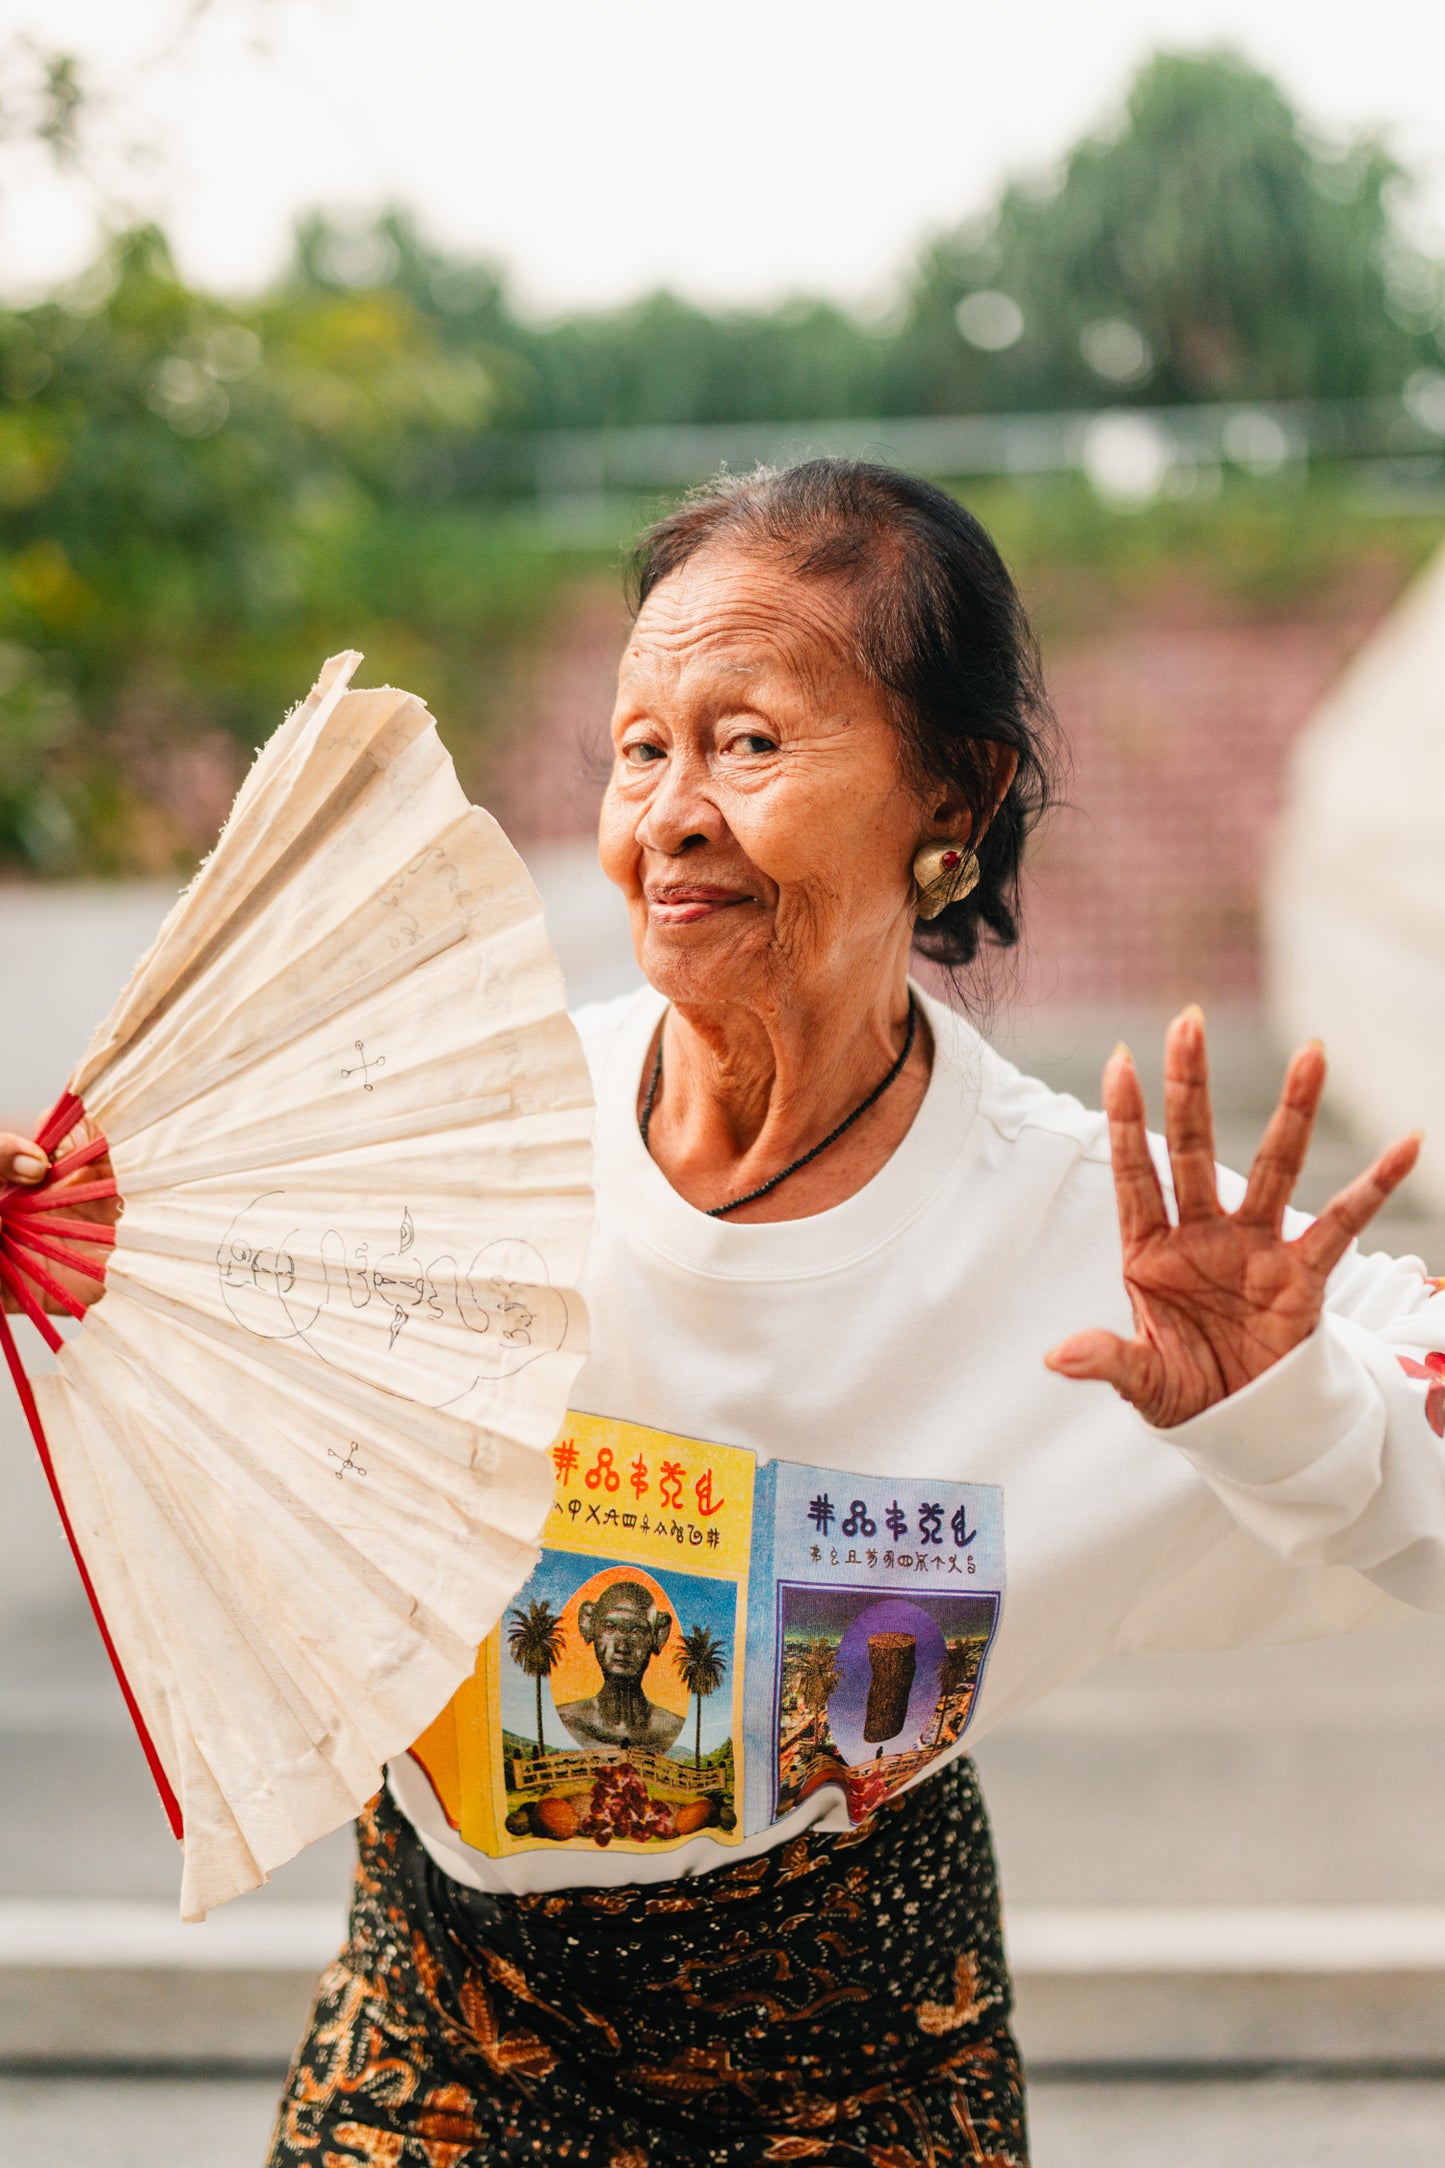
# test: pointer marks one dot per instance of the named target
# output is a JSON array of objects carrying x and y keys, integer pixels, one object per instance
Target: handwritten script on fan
[{"x": 483, "y": 1319}]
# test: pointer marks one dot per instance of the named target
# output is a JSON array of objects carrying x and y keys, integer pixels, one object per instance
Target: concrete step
[
  {"x": 1296, "y": 2121},
  {"x": 1218, "y": 1817},
  {"x": 98, "y": 1984},
  {"x": 1234, "y": 1986},
  {"x": 1312, "y": 1774},
  {"x": 1303, "y": 2120}
]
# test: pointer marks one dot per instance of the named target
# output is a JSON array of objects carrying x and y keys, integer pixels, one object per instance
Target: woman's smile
[{"x": 689, "y": 903}]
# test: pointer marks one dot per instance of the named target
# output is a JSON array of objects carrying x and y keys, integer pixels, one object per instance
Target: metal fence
[{"x": 1125, "y": 451}]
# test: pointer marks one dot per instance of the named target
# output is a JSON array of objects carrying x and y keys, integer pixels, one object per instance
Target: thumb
[
  {"x": 20, "y": 1160},
  {"x": 1130, "y": 1366}
]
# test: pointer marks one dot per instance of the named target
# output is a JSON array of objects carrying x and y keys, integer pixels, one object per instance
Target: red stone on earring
[{"x": 948, "y": 861}]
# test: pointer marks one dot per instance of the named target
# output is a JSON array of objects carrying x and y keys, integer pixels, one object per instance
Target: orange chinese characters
[
  {"x": 602, "y": 1475},
  {"x": 672, "y": 1483},
  {"x": 564, "y": 1460}
]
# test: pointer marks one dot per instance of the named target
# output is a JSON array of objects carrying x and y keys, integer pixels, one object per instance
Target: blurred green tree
[
  {"x": 663, "y": 360},
  {"x": 1206, "y": 249},
  {"x": 199, "y": 500},
  {"x": 659, "y": 360},
  {"x": 196, "y": 501}
]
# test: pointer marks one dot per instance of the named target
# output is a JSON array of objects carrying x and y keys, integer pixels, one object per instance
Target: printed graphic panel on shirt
[
  {"x": 704, "y": 1645},
  {"x": 640, "y": 1694},
  {"x": 872, "y": 1619},
  {"x": 608, "y": 1704},
  {"x": 871, "y": 1688}
]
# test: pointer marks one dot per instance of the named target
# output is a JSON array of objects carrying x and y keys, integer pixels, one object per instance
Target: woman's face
[{"x": 758, "y": 820}]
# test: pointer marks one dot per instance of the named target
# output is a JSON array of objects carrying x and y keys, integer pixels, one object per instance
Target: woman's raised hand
[
  {"x": 1219, "y": 1296},
  {"x": 23, "y": 1164}
]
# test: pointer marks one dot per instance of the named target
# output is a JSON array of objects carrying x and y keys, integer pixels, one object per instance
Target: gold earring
[{"x": 943, "y": 874}]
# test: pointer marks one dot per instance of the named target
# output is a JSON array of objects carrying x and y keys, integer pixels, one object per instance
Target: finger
[
  {"x": 1189, "y": 1118},
  {"x": 20, "y": 1160},
  {"x": 1130, "y": 1366},
  {"x": 1281, "y": 1156},
  {"x": 1136, "y": 1179},
  {"x": 1324, "y": 1243}
]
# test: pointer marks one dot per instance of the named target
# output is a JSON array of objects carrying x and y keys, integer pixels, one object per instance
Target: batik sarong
[{"x": 840, "y": 1999}]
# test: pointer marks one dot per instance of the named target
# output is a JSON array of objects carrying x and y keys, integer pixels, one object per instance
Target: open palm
[{"x": 1217, "y": 1296}]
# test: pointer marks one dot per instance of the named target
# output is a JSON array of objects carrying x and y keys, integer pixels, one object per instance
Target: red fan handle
[{"x": 33, "y": 1227}]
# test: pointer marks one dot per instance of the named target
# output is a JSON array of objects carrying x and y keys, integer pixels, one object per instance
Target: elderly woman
[{"x": 835, "y": 1228}]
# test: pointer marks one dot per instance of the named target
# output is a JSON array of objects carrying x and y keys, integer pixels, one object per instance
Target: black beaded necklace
[{"x": 719, "y": 1211}]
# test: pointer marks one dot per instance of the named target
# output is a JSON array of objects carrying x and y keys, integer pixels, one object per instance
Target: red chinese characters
[{"x": 702, "y": 1491}]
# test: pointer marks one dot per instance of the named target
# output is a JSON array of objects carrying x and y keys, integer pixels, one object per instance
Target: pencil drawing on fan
[{"x": 280, "y": 1282}]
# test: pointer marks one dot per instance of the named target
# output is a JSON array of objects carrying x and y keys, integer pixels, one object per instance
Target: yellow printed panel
[{"x": 607, "y": 1708}]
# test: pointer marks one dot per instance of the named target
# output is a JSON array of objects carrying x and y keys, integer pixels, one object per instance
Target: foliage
[
  {"x": 819, "y": 1678},
  {"x": 1204, "y": 250},
  {"x": 1231, "y": 547},
  {"x": 659, "y": 360},
  {"x": 42, "y": 99},
  {"x": 200, "y": 500},
  {"x": 664, "y": 360},
  {"x": 198, "y": 504},
  {"x": 701, "y": 1663},
  {"x": 535, "y": 1640}
]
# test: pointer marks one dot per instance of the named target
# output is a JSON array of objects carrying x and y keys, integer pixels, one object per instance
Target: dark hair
[{"x": 938, "y": 625}]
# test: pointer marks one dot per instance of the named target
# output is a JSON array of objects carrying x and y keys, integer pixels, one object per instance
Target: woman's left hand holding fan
[
  {"x": 20, "y": 1160},
  {"x": 24, "y": 1166}
]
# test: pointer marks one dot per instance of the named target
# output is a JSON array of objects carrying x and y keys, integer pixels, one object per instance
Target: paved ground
[
  {"x": 1279, "y": 2123},
  {"x": 1259, "y": 2123}
]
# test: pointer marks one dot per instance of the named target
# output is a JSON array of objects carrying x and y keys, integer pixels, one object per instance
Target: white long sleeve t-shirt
[{"x": 893, "y": 1347}]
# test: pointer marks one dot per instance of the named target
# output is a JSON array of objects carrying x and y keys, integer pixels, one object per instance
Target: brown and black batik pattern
[{"x": 839, "y": 1999}]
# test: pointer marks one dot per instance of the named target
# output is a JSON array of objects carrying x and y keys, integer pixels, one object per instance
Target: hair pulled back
[{"x": 937, "y": 625}]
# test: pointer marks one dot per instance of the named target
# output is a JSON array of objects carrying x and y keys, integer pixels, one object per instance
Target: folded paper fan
[{"x": 300, "y": 1440}]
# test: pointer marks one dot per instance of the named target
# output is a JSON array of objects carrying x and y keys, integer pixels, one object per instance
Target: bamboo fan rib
[{"x": 302, "y": 1437}]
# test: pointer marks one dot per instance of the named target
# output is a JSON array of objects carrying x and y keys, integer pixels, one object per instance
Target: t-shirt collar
[{"x": 650, "y": 1211}]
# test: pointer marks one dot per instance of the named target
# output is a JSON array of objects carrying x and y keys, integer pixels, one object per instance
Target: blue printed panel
[{"x": 873, "y": 1610}]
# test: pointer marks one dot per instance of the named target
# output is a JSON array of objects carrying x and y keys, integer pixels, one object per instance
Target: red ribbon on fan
[{"x": 32, "y": 1230}]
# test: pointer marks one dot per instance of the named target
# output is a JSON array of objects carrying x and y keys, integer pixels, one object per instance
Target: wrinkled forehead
[{"x": 740, "y": 620}]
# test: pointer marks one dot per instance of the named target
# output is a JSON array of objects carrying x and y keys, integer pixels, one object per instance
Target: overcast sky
[{"x": 599, "y": 147}]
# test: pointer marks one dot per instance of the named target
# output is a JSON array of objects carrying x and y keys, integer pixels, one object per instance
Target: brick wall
[{"x": 1146, "y": 885}]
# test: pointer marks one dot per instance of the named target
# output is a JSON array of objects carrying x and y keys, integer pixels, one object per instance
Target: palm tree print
[
  {"x": 701, "y": 1664},
  {"x": 818, "y": 1680},
  {"x": 958, "y": 1669},
  {"x": 534, "y": 1637}
]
